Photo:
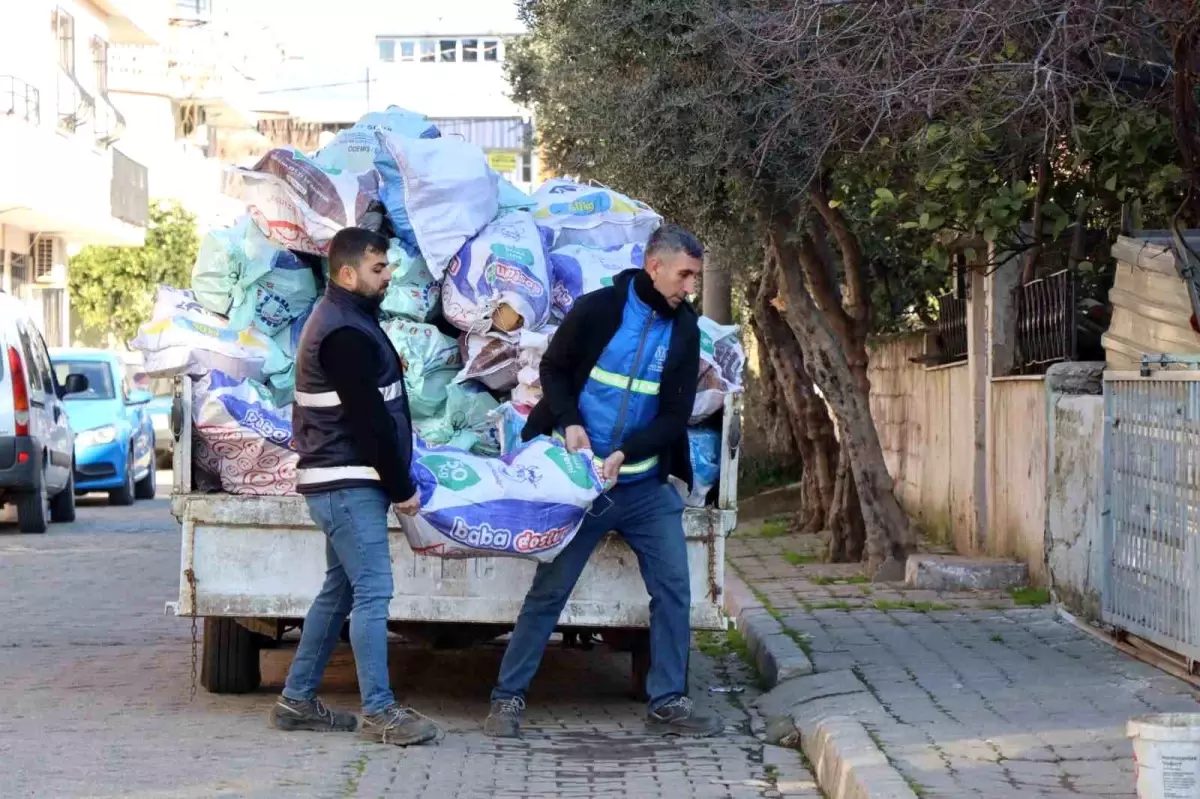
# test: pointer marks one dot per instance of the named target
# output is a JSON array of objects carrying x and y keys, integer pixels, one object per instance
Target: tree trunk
[
  {"x": 844, "y": 386},
  {"x": 811, "y": 424},
  {"x": 716, "y": 288},
  {"x": 847, "y": 532}
]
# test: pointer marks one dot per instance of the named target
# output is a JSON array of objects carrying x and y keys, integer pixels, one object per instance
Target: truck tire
[{"x": 229, "y": 658}]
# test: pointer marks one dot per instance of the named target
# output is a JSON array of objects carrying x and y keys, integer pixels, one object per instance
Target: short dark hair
[
  {"x": 350, "y": 244},
  {"x": 673, "y": 238}
]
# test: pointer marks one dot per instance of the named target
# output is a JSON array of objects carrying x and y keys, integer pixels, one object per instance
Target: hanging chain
[
  {"x": 192, "y": 695},
  {"x": 190, "y": 576}
]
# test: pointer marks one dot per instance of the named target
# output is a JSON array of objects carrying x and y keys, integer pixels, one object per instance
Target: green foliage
[
  {"x": 1030, "y": 597},
  {"x": 112, "y": 288}
]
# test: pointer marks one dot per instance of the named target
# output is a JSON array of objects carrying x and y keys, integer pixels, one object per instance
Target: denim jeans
[
  {"x": 358, "y": 577},
  {"x": 649, "y": 516}
]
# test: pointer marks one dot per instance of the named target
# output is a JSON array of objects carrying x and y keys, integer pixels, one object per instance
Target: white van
[{"x": 37, "y": 447}]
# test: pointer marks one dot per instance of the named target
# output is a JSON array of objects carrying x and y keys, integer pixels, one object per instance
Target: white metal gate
[{"x": 1152, "y": 502}]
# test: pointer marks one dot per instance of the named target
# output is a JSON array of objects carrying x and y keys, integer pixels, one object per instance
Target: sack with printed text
[
  {"x": 577, "y": 269},
  {"x": 301, "y": 205},
  {"x": 527, "y": 504},
  {"x": 430, "y": 360},
  {"x": 722, "y": 360},
  {"x": 592, "y": 215},
  {"x": 510, "y": 420},
  {"x": 240, "y": 274},
  {"x": 183, "y": 337},
  {"x": 413, "y": 292},
  {"x": 242, "y": 437},
  {"x": 354, "y": 149},
  {"x": 438, "y": 193},
  {"x": 494, "y": 359},
  {"x": 501, "y": 278}
]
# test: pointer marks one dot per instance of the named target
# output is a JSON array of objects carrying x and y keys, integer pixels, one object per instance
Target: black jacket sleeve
[
  {"x": 558, "y": 367},
  {"x": 351, "y": 362},
  {"x": 675, "y": 403}
]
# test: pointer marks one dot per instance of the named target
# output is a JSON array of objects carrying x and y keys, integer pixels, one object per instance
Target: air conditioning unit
[{"x": 48, "y": 263}]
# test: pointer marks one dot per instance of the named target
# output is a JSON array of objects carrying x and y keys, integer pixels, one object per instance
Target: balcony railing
[
  {"x": 130, "y": 192},
  {"x": 19, "y": 99},
  {"x": 1046, "y": 322},
  {"x": 110, "y": 122},
  {"x": 76, "y": 107},
  {"x": 951, "y": 329}
]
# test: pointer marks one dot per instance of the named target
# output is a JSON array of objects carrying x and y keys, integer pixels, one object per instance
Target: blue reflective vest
[{"x": 621, "y": 394}]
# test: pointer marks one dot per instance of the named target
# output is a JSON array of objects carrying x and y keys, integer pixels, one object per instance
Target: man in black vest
[{"x": 354, "y": 435}]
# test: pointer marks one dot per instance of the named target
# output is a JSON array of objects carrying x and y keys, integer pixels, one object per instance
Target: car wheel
[
  {"x": 147, "y": 487},
  {"x": 62, "y": 507},
  {"x": 31, "y": 508},
  {"x": 124, "y": 494}
]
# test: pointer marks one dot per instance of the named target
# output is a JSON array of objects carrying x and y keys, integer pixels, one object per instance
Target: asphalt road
[{"x": 95, "y": 699}]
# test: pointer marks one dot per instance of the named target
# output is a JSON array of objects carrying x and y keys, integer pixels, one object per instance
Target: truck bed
[{"x": 262, "y": 558}]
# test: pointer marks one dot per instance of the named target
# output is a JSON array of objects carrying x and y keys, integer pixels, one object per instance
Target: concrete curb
[{"x": 823, "y": 713}]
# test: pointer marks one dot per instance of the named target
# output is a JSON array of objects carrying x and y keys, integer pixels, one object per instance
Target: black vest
[{"x": 329, "y": 459}]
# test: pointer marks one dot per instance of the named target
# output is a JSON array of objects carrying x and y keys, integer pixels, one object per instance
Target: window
[
  {"x": 408, "y": 50},
  {"x": 448, "y": 49},
  {"x": 43, "y": 259},
  {"x": 491, "y": 50},
  {"x": 99, "y": 377},
  {"x": 64, "y": 29},
  {"x": 428, "y": 50},
  {"x": 100, "y": 57},
  {"x": 470, "y": 48},
  {"x": 387, "y": 50},
  {"x": 35, "y": 372},
  {"x": 527, "y": 167},
  {"x": 19, "y": 271},
  {"x": 42, "y": 356}
]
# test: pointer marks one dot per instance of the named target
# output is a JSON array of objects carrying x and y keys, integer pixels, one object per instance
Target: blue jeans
[
  {"x": 358, "y": 577},
  {"x": 649, "y": 516}
]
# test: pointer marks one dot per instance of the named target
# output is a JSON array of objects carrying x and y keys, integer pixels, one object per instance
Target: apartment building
[
  {"x": 65, "y": 179},
  {"x": 445, "y": 60}
]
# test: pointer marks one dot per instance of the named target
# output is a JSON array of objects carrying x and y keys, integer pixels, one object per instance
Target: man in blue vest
[
  {"x": 354, "y": 435},
  {"x": 619, "y": 380}
]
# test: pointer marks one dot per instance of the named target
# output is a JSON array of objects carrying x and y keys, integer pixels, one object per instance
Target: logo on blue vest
[{"x": 660, "y": 359}]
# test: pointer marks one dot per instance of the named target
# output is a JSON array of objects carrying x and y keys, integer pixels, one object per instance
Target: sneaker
[
  {"x": 401, "y": 726},
  {"x": 505, "y": 719},
  {"x": 678, "y": 717},
  {"x": 290, "y": 715}
]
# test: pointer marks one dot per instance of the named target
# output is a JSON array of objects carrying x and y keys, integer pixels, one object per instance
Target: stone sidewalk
[{"x": 974, "y": 694}]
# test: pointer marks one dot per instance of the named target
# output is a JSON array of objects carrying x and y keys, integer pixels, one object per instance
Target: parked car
[
  {"x": 114, "y": 438},
  {"x": 36, "y": 441},
  {"x": 162, "y": 390}
]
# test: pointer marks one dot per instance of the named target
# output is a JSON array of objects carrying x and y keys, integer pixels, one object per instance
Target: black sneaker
[
  {"x": 505, "y": 719},
  {"x": 401, "y": 726},
  {"x": 678, "y": 717},
  {"x": 290, "y": 715}
]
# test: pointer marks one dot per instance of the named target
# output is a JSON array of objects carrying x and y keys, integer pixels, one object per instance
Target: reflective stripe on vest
[
  {"x": 331, "y": 474},
  {"x": 641, "y": 467},
  {"x": 330, "y": 399},
  {"x": 622, "y": 382}
]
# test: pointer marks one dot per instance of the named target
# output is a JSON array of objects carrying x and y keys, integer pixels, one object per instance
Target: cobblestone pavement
[
  {"x": 980, "y": 698},
  {"x": 96, "y": 703}
]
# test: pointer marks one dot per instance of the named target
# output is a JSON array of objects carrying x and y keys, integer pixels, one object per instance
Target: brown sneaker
[
  {"x": 678, "y": 717},
  {"x": 505, "y": 719},
  {"x": 401, "y": 726},
  {"x": 313, "y": 715}
]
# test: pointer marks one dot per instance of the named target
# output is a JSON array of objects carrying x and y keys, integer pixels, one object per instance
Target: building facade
[
  {"x": 446, "y": 62},
  {"x": 65, "y": 179}
]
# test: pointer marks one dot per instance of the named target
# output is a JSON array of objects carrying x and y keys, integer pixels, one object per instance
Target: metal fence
[
  {"x": 1151, "y": 584},
  {"x": 1045, "y": 322},
  {"x": 19, "y": 99},
  {"x": 952, "y": 328}
]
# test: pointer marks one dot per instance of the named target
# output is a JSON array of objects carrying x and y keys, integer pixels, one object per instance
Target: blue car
[{"x": 114, "y": 433}]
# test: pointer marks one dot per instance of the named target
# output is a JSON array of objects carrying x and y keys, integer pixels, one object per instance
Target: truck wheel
[
  {"x": 641, "y": 666},
  {"x": 62, "y": 506},
  {"x": 229, "y": 658}
]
